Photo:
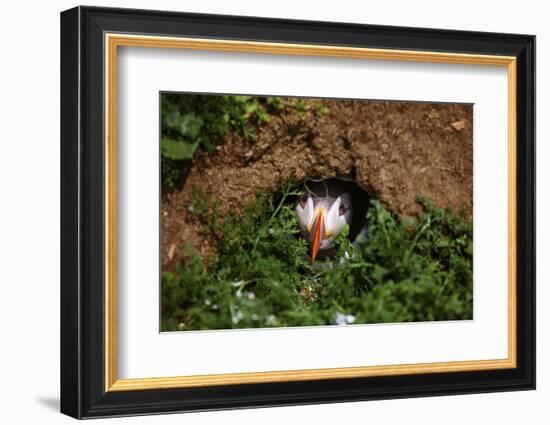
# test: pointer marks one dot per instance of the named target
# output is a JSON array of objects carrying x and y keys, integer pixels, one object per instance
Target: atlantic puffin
[{"x": 321, "y": 218}]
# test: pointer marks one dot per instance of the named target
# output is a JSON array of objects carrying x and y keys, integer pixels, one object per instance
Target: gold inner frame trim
[{"x": 113, "y": 41}]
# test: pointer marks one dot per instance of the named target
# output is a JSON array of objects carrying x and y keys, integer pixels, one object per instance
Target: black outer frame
[{"x": 82, "y": 216}]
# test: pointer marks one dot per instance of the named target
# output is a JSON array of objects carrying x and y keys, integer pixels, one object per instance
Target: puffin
[{"x": 322, "y": 218}]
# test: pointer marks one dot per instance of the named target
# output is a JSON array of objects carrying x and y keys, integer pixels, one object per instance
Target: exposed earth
[{"x": 394, "y": 150}]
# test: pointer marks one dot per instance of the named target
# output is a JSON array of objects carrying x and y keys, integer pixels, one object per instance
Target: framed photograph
[{"x": 261, "y": 212}]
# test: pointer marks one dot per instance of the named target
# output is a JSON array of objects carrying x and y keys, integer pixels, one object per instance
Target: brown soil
[{"x": 393, "y": 150}]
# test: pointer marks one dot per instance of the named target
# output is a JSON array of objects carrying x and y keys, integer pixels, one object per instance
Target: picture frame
[{"x": 90, "y": 40}]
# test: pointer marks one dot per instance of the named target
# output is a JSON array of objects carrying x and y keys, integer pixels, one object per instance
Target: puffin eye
[
  {"x": 303, "y": 201},
  {"x": 342, "y": 210}
]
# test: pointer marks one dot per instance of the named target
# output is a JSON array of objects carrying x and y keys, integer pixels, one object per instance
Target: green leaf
[
  {"x": 379, "y": 273},
  {"x": 321, "y": 111},
  {"x": 242, "y": 99},
  {"x": 188, "y": 125},
  {"x": 443, "y": 243},
  {"x": 343, "y": 236},
  {"x": 177, "y": 150}
]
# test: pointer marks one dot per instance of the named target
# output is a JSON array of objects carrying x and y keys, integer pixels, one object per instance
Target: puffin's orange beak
[{"x": 317, "y": 234}]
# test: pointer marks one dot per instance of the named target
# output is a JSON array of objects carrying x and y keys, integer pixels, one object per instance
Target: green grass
[{"x": 412, "y": 270}]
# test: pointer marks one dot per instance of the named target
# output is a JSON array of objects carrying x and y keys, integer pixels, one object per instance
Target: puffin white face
[{"x": 322, "y": 219}]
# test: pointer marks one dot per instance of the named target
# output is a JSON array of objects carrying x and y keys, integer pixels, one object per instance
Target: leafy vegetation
[
  {"x": 194, "y": 121},
  {"x": 407, "y": 270},
  {"x": 190, "y": 122}
]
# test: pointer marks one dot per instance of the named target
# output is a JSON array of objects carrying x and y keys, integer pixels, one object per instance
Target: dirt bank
[{"x": 394, "y": 150}]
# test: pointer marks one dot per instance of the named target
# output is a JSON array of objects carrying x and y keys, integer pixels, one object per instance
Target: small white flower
[
  {"x": 237, "y": 316},
  {"x": 340, "y": 319},
  {"x": 343, "y": 319},
  {"x": 237, "y": 283},
  {"x": 271, "y": 319},
  {"x": 207, "y": 302},
  {"x": 251, "y": 295},
  {"x": 191, "y": 208}
]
